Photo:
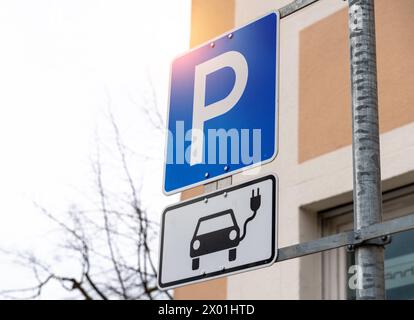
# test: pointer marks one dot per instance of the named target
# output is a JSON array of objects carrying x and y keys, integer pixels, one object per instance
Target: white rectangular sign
[{"x": 221, "y": 233}]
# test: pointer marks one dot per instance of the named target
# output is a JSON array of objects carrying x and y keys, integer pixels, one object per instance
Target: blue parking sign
[{"x": 223, "y": 106}]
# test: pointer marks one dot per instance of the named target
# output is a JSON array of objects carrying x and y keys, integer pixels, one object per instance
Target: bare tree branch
[{"x": 107, "y": 252}]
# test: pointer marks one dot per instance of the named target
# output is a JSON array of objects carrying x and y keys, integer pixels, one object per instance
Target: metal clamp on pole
[{"x": 380, "y": 241}]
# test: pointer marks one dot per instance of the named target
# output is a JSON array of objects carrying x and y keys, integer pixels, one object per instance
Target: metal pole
[
  {"x": 294, "y": 6},
  {"x": 365, "y": 146}
]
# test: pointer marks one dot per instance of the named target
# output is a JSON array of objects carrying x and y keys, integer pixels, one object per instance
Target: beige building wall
[{"x": 314, "y": 163}]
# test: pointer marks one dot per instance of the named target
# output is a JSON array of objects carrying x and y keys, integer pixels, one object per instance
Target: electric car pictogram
[{"x": 219, "y": 231}]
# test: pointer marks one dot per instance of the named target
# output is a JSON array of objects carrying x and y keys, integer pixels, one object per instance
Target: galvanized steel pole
[{"x": 365, "y": 146}]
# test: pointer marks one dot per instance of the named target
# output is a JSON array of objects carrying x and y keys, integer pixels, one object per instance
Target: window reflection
[{"x": 399, "y": 267}]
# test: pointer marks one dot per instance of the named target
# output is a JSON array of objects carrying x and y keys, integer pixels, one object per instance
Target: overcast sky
[{"x": 61, "y": 64}]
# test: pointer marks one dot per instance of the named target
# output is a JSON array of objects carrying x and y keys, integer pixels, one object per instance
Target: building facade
[{"x": 314, "y": 163}]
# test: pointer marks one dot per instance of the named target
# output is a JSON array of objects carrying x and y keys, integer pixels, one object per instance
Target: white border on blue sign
[
  {"x": 254, "y": 165},
  {"x": 256, "y": 267}
]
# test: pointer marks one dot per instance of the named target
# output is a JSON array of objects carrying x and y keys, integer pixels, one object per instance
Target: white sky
[{"x": 61, "y": 62}]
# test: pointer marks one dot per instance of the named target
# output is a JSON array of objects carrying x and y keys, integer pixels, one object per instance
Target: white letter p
[{"x": 201, "y": 112}]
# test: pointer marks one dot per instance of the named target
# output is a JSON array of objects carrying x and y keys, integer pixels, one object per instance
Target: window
[
  {"x": 399, "y": 254},
  {"x": 215, "y": 223}
]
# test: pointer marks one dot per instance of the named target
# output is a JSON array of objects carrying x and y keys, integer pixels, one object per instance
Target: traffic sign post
[
  {"x": 218, "y": 234},
  {"x": 223, "y": 106}
]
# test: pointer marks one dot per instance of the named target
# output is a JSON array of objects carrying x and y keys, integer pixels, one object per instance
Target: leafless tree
[{"x": 108, "y": 249}]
